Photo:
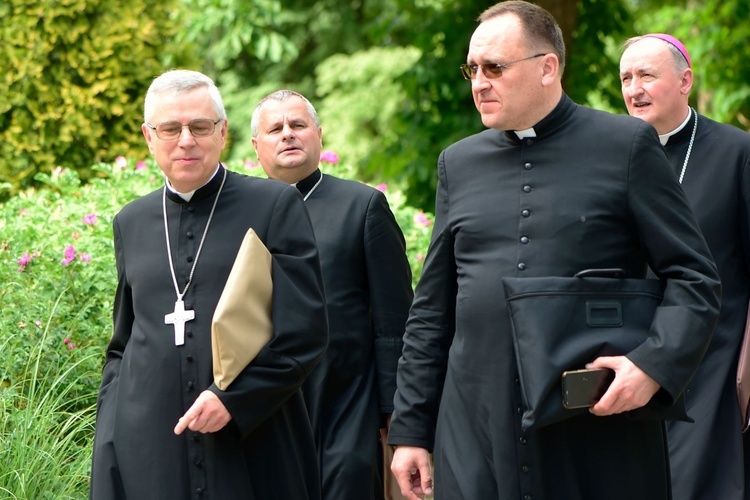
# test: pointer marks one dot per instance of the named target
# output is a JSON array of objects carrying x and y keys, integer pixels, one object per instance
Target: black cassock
[
  {"x": 266, "y": 451},
  {"x": 706, "y": 456},
  {"x": 368, "y": 292},
  {"x": 591, "y": 190}
]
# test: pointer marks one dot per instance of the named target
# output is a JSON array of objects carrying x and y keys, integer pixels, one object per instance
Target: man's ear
[
  {"x": 550, "y": 69},
  {"x": 686, "y": 82},
  {"x": 147, "y": 135}
]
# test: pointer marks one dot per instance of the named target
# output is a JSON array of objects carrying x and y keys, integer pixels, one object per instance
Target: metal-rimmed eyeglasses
[
  {"x": 492, "y": 70},
  {"x": 169, "y": 131}
]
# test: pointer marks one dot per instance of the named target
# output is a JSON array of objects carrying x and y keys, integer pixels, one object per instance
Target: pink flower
[
  {"x": 66, "y": 340},
  {"x": 25, "y": 259},
  {"x": 421, "y": 220},
  {"x": 329, "y": 157},
  {"x": 141, "y": 165},
  {"x": 89, "y": 219},
  {"x": 381, "y": 187},
  {"x": 420, "y": 257},
  {"x": 38, "y": 323},
  {"x": 71, "y": 346},
  {"x": 85, "y": 257},
  {"x": 70, "y": 255},
  {"x": 121, "y": 162}
]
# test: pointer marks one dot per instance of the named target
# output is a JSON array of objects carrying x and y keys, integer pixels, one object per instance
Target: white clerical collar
[
  {"x": 663, "y": 138},
  {"x": 522, "y": 134},
  {"x": 188, "y": 196}
]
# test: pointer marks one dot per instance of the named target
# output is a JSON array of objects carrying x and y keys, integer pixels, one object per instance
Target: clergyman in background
[
  {"x": 712, "y": 162},
  {"x": 368, "y": 289}
]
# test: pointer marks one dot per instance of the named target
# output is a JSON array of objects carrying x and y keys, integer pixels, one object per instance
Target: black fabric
[
  {"x": 592, "y": 190},
  {"x": 705, "y": 455},
  {"x": 560, "y": 324},
  {"x": 267, "y": 450},
  {"x": 368, "y": 293}
]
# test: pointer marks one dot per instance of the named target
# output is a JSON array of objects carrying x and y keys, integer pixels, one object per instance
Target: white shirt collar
[
  {"x": 522, "y": 134},
  {"x": 663, "y": 138},
  {"x": 189, "y": 195}
]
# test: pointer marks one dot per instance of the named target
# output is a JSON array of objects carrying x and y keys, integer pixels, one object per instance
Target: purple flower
[
  {"x": 421, "y": 220},
  {"x": 25, "y": 259},
  {"x": 381, "y": 187},
  {"x": 85, "y": 257},
  {"x": 329, "y": 157},
  {"x": 141, "y": 165},
  {"x": 89, "y": 219},
  {"x": 70, "y": 255}
]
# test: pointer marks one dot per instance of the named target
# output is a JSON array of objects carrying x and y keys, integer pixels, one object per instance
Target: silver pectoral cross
[{"x": 178, "y": 318}]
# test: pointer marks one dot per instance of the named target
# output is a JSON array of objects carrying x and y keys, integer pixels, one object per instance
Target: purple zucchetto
[{"x": 673, "y": 41}]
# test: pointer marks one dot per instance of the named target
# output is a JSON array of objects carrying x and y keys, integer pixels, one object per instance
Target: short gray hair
[
  {"x": 179, "y": 81},
  {"x": 281, "y": 96}
]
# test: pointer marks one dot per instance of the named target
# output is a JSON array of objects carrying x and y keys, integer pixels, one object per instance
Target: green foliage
[
  {"x": 75, "y": 72},
  {"x": 46, "y": 426},
  {"x": 592, "y": 75},
  {"x": 57, "y": 273},
  {"x": 235, "y": 31},
  {"x": 361, "y": 98}
]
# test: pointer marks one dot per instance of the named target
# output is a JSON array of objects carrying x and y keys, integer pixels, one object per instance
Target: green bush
[{"x": 75, "y": 72}]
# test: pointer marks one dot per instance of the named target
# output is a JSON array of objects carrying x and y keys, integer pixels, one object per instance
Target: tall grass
[{"x": 46, "y": 427}]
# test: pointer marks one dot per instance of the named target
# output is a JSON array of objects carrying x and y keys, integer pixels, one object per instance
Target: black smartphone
[{"x": 583, "y": 388}]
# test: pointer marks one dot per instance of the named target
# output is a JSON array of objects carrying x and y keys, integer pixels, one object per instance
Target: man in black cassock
[
  {"x": 164, "y": 430},
  {"x": 552, "y": 188},
  {"x": 712, "y": 162},
  {"x": 368, "y": 289}
]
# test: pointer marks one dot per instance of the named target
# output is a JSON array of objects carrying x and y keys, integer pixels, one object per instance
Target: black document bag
[{"x": 562, "y": 323}]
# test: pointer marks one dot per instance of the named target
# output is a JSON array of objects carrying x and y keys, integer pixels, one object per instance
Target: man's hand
[
  {"x": 631, "y": 389},
  {"x": 411, "y": 466},
  {"x": 208, "y": 414}
]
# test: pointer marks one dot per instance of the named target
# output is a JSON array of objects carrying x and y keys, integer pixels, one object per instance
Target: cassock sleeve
[
  {"x": 123, "y": 318},
  {"x": 389, "y": 279},
  {"x": 678, "y": 254},
  {"x": 300, "y": 323},
  {"x": 429, "y": 334}
]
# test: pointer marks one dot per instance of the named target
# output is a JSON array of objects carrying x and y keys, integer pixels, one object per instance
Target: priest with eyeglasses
[{"x": 164, "y": 428}]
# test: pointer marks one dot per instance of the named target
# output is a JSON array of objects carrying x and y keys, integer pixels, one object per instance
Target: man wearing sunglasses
[
  {"x": 550, "y": 189},
  {"x": 164, "y": 430}
]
